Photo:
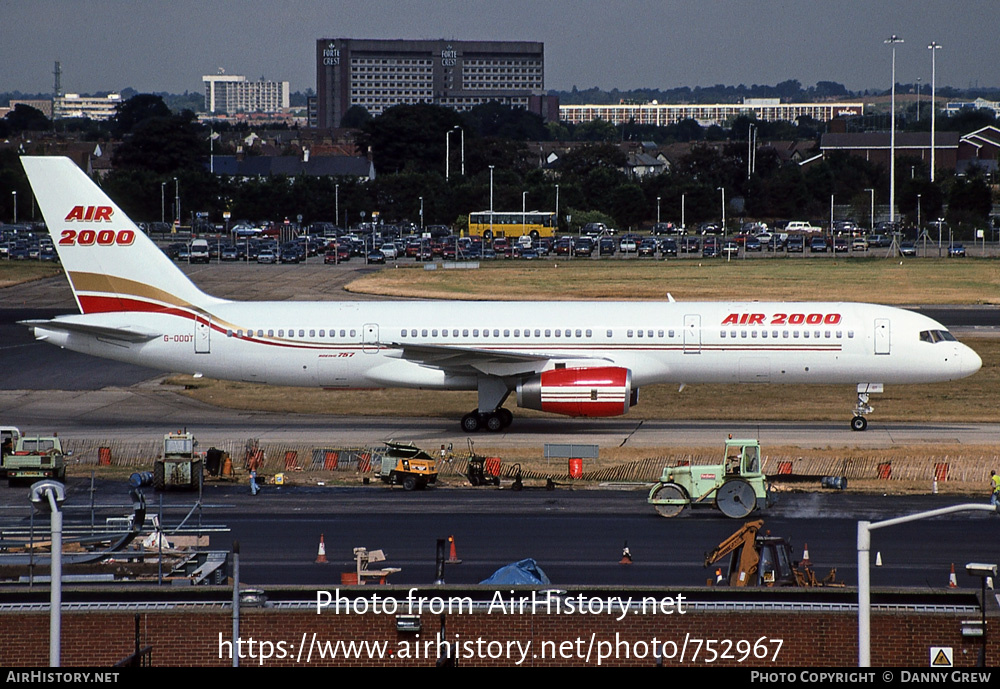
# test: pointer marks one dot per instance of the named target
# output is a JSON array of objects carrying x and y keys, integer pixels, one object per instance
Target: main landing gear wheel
[
  {"x": 859, "y": 423},
  {"x": 470, "y": 422},
  {"x": 506, "y": 417},
  {"x": 494, "y": 421},
  {"x": 736, "y": 499},
  {"x": 668, "y": 492}
]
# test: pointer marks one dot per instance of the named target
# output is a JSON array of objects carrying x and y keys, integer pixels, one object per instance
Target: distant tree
[
  {"x": 136, "y": 110},
  {"x": 355, "y": 117},
  {"x": 581, "y": 161},
  {"x": 164, "y": 145},
  {"x": 595, "y": 130},
  {"x": 409, "y": 137},
  {"x": 969, "y": 200},
  {"x": 628, "y": 205},
  {"x": 497, "y": 119},
  {"x": 24, "y": 118}
]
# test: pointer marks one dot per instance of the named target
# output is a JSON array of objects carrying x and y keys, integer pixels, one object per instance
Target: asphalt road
[{"x": 576, "y": 536}]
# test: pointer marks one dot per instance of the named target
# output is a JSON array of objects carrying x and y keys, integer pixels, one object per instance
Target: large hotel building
[{"x": 378, "y": 74}]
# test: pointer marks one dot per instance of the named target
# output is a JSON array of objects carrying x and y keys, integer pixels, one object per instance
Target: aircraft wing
[
  {"x": 466, "y": 360},
  {"x": 122, "y": 333}
]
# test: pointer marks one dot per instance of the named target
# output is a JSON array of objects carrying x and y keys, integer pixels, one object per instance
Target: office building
[
  {"x": 662, "y": 114},
  {"x": 229, "y": 94},
  {"x": 90, "y": 107}
]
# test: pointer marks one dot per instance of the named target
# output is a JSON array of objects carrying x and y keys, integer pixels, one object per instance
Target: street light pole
[
  {"x": 524, "y": 209},
  {"x": 893, "y": 40},
  {"x": 447, "y": 155},
  {"x": 657, "y": 211},
  {"x": 336, "y": 204},
  {"x": 933, "y": 47},
  {"x": 177, "y": 201},
  {"x": 683, "y": 223},
  {"x": 723, "y": 190},
  {"x": 557, "y": 208},
  {"x": 14, "y": 194},
  {"x": 163, "y": 202},
  {"x": 864, "y": 573},
  {"x": 491, "y": 201},
  {"x": 421, "y": 214},
  {"x": 873, "y": 209}
]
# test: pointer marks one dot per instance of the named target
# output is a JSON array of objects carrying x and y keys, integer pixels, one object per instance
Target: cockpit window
[{"x": 935, "y": 336}]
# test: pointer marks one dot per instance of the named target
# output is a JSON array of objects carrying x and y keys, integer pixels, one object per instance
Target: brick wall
[{"x": 190, "y": 637}]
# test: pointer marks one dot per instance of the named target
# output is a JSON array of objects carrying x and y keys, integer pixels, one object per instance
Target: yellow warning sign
[{"x": 942, "y": 656}]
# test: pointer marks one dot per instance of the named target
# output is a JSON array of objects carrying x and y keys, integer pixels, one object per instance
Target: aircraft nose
[{"x": 968, "y": 361}]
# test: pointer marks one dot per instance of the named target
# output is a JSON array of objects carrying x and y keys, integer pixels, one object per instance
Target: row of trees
[{"x": 407, "y": 143}]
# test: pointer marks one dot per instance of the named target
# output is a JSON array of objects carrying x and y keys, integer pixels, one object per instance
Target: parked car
[
  {"x": 817, "y": 245},
  {"x": 628, "y": 244},
  {"x": 690, "y": 245},
  {"x": 606, "y": 247},
  {"x": 956, "y": 250},
  {"x": 647, "y": 247},
  {"x": 376, "y": 256},
  {"x": 907, "y": 249},
  {"x": 266, "y": 256},
  {"x": 840, "y": 245},
  {"x": 668, "y": 247},
  {"x": 710, "y": 247},
  {"x": 859, "y": 244},
  {"x": 795, "y": 244},
  {"x": 584, "y": 247}
]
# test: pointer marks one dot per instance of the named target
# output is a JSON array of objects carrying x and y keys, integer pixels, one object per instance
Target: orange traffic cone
[
  {"x": 806, "y": 562},
  {"x": 952, "y": 581},
  {"x": 453, "y": 555},
  {"x": 321, "y": 556},
  {"x": 626, "y": 556}
]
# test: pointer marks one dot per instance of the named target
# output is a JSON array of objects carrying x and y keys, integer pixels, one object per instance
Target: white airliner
[{"x": 572, "y": 358}]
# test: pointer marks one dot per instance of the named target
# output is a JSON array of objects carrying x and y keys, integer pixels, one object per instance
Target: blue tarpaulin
[{"x": 523, "y": 572}]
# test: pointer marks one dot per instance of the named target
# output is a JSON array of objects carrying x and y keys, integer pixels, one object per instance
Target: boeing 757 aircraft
[{"x": 572, "y": 358}]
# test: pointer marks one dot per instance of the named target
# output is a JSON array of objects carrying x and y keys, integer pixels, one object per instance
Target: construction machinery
[
  {"x": 764, "y": 560},
  {"x": 407, "y": 465},
  {"x": 736, "y": 486},
  {"x": 179, "y": 467}
]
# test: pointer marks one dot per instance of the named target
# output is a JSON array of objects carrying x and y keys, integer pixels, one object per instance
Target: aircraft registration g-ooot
[{"x": 572, "y": 358}]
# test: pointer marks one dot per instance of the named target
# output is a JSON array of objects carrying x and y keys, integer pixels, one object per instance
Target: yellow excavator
[{"x": 764, "y": 560}]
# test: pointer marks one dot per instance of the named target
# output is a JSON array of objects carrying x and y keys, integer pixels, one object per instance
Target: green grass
[
  {"x": 885, "y": 281},
  {"x": 17, "y": 272}
]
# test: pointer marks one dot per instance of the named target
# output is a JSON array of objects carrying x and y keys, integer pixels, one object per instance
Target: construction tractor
[
  {"x": 179, "y": 467},
  {"x": 736, "y": 486},
  {"x": 764, "y": 560},
  {"x": 407, "y": 465}
]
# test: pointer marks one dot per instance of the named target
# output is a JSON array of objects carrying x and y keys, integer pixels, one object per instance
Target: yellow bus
[{"x": 533, "y": 223}]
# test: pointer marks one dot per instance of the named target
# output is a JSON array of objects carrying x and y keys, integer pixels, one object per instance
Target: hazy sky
[{"x": 167, "y": 45}]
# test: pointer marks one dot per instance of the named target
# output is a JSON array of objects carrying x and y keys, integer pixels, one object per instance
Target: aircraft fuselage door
[
  {"x": 692, "y": 334},
  {"x": 370, "y": 338},
  {"x": 882, "y": 335},
  {"x": 202, "y": 335}
]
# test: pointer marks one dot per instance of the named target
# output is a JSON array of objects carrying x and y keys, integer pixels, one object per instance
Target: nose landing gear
[{"x": 859, "y": 422}]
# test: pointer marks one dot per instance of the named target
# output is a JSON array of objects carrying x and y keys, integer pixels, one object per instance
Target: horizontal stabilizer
[{"x": 69, "y": 325}]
